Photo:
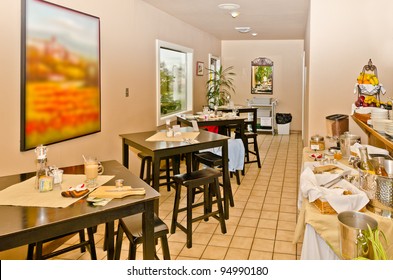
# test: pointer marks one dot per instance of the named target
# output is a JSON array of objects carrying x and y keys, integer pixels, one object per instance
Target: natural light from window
[{"x": 174, "y": 83}]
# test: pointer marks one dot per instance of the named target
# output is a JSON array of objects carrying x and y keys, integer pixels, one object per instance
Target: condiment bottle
[
  {"x": 43, "y": 182},
  {"x": 317, "y": 143},
  {"x": 365, "y": 162},
  {"x": 378, "y": 163}
]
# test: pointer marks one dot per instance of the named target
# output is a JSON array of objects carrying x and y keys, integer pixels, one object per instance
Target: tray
[{"x": 113, "y": 192}]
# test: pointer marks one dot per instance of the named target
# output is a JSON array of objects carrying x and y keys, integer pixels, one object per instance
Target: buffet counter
[
  {"x": 375, "y": 138},
  {"x": 320, "y": 232}
]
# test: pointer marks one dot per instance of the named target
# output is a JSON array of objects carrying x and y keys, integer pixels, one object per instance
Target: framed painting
[
  {"x": 200, "y": 68},
  {"x": 262, "y": 76},
  {"x": 60, "y": 74}
]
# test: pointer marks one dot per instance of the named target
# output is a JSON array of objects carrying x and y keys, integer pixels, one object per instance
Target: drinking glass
[{"x": 93, "y": 168}]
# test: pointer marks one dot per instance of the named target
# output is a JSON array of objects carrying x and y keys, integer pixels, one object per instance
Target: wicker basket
[{"x": 325, "y": 208}]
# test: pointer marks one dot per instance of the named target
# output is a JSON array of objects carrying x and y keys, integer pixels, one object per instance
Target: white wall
[
  {"x": 129, "y": 29},
  {"x": 344, "y": 35},
  {"x": 287, "y": 56}
]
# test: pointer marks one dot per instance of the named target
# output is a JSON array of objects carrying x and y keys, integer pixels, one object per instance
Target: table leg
[
  {"x": 110, "y": 240},
  {"x": 156, "y": 180},
  {"x": 125, "y": 154},
  {"x": 228, "y": 198},
  {"x": 148, "y": 231}
]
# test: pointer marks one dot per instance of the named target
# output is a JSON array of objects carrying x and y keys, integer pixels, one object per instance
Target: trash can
[{"x": 283, "y": 121}]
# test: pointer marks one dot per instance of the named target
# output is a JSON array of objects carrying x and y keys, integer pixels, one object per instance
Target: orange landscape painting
[{"x": 61, "y": 85}]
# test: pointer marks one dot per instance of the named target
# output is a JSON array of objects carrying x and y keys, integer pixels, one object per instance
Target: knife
[{"x": 336, "y": 180}]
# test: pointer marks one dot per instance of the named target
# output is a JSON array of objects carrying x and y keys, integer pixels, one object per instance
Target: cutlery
[{"x": 335, "y": 180}]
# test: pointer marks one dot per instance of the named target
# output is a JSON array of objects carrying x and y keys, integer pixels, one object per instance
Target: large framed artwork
[{"x": 60, "y": 74}]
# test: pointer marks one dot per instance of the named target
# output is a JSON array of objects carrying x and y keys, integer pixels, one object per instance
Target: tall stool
[
  {"x": 132, "y": 227},
  {"x": 208, "y": 180},
  {"x": 83, "y": 244},
  {"x": 146, "y": 167},
  {"x": 212, "y": 160},
  {"x": 250, "y": 136}
]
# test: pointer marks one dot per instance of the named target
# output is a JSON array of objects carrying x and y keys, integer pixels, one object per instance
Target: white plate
[{"x": 94, "y": 199}]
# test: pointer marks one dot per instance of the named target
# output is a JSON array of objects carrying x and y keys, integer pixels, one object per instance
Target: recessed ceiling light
[
  {"x": 243, "y": 29},
  {"x": 229, "y": 6},
  {"x": 235, "y": 14},
  {"x": 254, "y": 34}
]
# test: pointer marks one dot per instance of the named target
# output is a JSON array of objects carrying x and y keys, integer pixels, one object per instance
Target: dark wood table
[
  {"x": 161, "y": 149},
  {"x": 223, "y": 123},
  {"x": 25, "y": 225}
]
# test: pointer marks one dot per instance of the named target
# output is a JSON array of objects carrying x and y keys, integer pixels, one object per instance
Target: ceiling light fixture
[
  {"x": 235, "y": 14},
  {"x": 229, "y": 6},
  {"x": 243, "y": 29},
  {"x": 254, "y": 34}
]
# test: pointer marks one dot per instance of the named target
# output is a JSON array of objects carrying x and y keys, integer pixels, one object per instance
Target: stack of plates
[
  {"x": 379, "y": 113},
  {"x": 380, "y": 124},
  {"x": 389, "y": 129}
]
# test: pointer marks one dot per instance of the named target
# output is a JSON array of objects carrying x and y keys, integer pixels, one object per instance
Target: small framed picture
[{"x": 199, "y": 69}]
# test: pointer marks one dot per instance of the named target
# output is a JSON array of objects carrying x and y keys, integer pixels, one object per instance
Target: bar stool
[
  {"x": 251, "y": 137},
  {"x": 212, "y": 160},
  {"x": 146, "y": 167},
  {"x": 132, "y": 227},
  {"x": 208, "y": 180},
  {"x": 83, "y": 244}
]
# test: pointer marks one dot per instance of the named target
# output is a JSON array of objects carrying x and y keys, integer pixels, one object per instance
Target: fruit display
[
  {"x": 366, "y": 78},
  {"x": 368, "y": 88}
]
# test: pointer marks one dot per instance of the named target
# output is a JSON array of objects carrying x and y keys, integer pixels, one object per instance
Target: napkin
[
  {"x": 310, "y": 188},
  {"x": 371, "y": 149}
]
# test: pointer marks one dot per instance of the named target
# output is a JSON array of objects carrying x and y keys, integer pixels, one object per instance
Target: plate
[{"x": 94, "y": 199}]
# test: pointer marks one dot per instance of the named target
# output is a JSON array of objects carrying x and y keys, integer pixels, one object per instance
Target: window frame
[{"x": 160, "y": 120}]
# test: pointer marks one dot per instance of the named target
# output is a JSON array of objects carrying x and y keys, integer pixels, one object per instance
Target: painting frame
[
  {"x": 60, "y": 74},
  {"x": 199, "y": 68}
]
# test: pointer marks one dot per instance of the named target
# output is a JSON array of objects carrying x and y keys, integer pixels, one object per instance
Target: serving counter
[
  {"x": 374, "y": 138},
  {"x": 320, "y": 232}
]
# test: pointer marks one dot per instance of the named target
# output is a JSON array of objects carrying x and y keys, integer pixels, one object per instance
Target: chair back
[{"x": 251, "y": 121}]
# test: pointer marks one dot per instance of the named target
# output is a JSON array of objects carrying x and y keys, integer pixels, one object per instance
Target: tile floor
[{"x": 261, "y": 224}]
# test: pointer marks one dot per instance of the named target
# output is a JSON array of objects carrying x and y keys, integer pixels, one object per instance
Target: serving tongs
[{"x": 336, "y": 180}]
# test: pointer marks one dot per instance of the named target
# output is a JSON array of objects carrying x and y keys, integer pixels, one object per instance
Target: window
[{"x": 174, "y": 80}]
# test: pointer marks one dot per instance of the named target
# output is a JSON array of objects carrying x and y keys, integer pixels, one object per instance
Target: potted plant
[{"x": 220, "y": 86}]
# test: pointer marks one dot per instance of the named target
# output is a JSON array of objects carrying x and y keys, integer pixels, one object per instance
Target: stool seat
[
  {"x": 132, "y": 227},
  {"x": 206, "y": 180},
  {"x": 213, "y": 160},
  {"x": 197, "y": 177}
]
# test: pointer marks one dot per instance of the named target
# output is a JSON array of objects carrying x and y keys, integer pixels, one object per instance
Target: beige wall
[
  {"x": 129, "y": 29},
  {"x": 287, "y": 56},
  {"x": 343, "y": 36}
]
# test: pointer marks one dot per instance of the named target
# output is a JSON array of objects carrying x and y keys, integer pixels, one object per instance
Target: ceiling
[{"x": 270, "y": 19}]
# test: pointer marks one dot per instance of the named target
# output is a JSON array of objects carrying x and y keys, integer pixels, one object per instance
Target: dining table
[
  {"x": 158, "y": 146},
  {"x": 22, "y": 225}
]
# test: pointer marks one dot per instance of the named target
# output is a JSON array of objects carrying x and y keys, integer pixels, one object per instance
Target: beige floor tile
[
  {"x": 195, "y": 251},
  {"x": 269, "y": 215},
  {"x": 241, "y": 242},
  {"x": 245, "y": 231},
  {"x": 237, "y": 254},
  {"x": 264, "y": 223},
  {"x": 214, "y": 253},
  {"x": 285, "y": 235},
  {"x": 265, "y": 233},
  {"x": 266, "y": 245},
  {"x": 279, "y": 256},
  {"x": 284, "y": 247},
  {"x": 220, "y": 240},
  {"x": 260, "y": 255},
  {"x": 248, "y": 222}
]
